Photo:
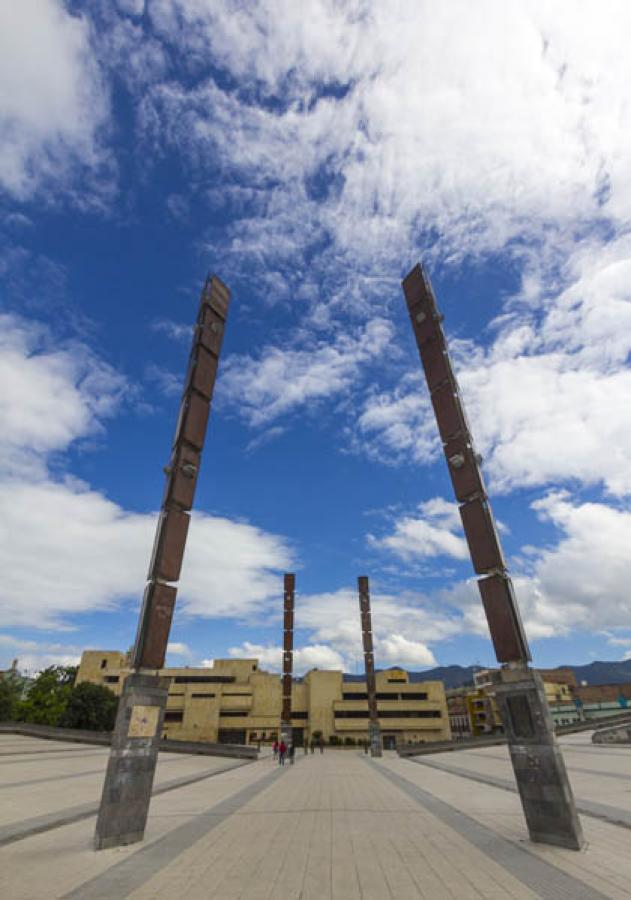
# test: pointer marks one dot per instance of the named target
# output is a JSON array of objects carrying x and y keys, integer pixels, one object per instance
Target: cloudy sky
[{"x": 310, "y": 153}]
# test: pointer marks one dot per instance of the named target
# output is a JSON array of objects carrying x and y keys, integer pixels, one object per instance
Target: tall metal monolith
[
  {"x": 289, "y": 587},
  {"x": 540, "y": 772},
  {"x": 374, "y": 729},
  {"x": 129, "y": 778}
]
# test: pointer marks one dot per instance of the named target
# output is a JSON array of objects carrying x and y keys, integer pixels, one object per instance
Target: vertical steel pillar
[
  {"x": 539, "y": 768},
  {"x": 374, "y": 730},
  {"x": 129, "y": 778},
  {"x": 289, "y": 586}
]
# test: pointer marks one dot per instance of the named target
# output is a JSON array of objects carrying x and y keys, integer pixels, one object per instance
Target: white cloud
[
  {"x": 33, "y": 656},
  {"x": 401, "y": 651},
  {"x": 577, "y": 583},
  {"x": 397, "y": 426},
  {"x": 67, "y": 549},
  {"x": 168, "y": 383},
  {"x": 51, "y": 395},
  {"x": 399, "y": 120},
  {"x": 283, "y": 380},
  {"x": 53, "y": 102},
  {"x": 174, "y": 330},
  {"x": 403, "y": 626},
  {"x": 547, "y": 399},
  {"x": 177, "y": 648},
  {"x": 437, "y": 532},
  {"x": 314, "y": 656},
  {"x": 585, "y": 575}
]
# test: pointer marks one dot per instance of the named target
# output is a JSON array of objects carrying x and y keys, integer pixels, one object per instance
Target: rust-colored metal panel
[
  {"x": 169, "y": 545},
  {"x": 289, "y": 583},
  {"x": 218, "y": 297},
  {"x": 424, "y": 325},
  {"x": 182, "y": 471},
  {"x": 195, "y": 420},
  {"x": 479, "y": 529},
  {"x": 203, "y": 371},
  {"x": 159, "y": 603},
  {"x": 435, "y": 363},
  {"x": 413, "y": 286},
  {"x": 463, "y": 469},
  {"x": 209, "y": 333},
  {"x": 417, "y": 289},
  {"x": 502, "y": 614},
  {"x": 448, "y": 411}
]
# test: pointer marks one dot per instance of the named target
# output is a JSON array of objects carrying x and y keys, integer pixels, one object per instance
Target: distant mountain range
[{"x": 458, "y": 676}]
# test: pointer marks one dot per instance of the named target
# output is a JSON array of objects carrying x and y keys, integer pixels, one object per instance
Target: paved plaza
[{"x": 337, "y": 825}]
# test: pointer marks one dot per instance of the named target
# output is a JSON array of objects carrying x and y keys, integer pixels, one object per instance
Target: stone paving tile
[
  {"x": 333, "y": 827},
  {"x": 68, "y": 781}
]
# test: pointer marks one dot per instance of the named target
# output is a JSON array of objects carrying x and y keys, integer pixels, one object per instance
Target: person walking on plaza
[
  {"x": 275, "y": 749},
  {"x": 291, "y": 753},
  {"x": 305, "y": 745},
  {"x": 313, "y": 743},
  {"x": 282, "y": 749},
  {"x": 321, "y": 744}
]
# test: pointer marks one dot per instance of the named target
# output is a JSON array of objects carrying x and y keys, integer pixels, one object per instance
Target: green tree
[
  {"x": 47, "y": 697},
  {"x": 91, "y": 706},
  {"x": 11, "y": 687}
]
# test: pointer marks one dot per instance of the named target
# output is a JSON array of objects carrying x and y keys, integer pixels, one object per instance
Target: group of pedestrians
[{"x": 283, "y": 751}]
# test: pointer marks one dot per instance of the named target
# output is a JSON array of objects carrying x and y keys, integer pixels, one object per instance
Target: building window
[
  {"x": 226, "y": 713},
  {"x": 111, "y": 679},
  {"x": 204, "y": 679},
  {"x": 240, "y": 694},
  {"x": 104, "y": 664},
  {"x": 390, "y": 714},
  {"x": 299, "y": 715},
  {"x": 174, "y": 715},
  {"x": 198, "y": 696},
  {"x": 397, "y": 681},
  {"x": 389, "y": 695}
]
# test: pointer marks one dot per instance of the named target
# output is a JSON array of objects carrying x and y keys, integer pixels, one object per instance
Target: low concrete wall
[
  {"x": 498, "y": 739},
  {"x": 619, "y": 734},
  {"x": 444, "y": 746},
  {"x": 104, "y": 738}
]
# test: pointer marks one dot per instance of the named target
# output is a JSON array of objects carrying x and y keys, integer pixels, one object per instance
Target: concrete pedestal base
[
  {"x": 374, "y": 736},
  {"x": 544, "y": 788},
  {"x": 132, "y": 763}
]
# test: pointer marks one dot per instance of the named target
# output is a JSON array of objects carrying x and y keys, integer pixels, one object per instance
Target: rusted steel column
[
  {"x": 374, "y": 731},
  {"x": 131, "y": 767},
  {"x": 289, "y": 586},
  {"x": 540, "y": 772}
]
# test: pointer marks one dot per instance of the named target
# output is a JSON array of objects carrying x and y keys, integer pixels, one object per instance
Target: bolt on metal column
[
  {"x": 374, "y": 729},
  {"x": 131, "y": 767},
  {"x": 544, "y": 788},
  {"x": 289, "y": 586}
]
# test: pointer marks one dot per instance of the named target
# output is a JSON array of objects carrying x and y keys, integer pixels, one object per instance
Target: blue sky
[{"x": 310, "y": 154}]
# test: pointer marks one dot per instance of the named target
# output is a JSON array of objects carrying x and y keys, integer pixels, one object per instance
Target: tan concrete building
[
  {"x": 236, "y": 702},
  {"x": 559, "y": 686}
]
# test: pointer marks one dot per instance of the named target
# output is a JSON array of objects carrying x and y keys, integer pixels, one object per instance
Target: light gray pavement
[{"x": 333, "y": 827}]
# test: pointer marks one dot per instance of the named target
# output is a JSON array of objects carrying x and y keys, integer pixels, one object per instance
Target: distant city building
[
  {"x": 568, "y": 702},
  {"x": 459, "y": 717},
  {"x": 235, "y": 701}
]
